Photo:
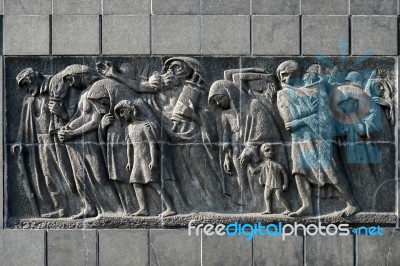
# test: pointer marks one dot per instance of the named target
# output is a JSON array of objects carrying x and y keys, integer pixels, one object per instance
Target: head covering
[
  {"x": 77, "y": 69},
  {"x": 23, "y": 74},
  {"x": 355, "y": 78},
  {"x": 192, "y": 63},
  {"x": 314, "y": 69},
  {"x": 288, "y": 65}
]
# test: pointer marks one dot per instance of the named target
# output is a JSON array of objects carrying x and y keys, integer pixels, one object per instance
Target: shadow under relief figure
[
  {"x": 143, "y": 158},
  {"x": 271, "y": 175}
]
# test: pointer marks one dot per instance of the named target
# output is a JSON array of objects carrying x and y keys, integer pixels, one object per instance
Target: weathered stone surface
[
  {"x": 28, "y": 7},
  {"x": 226, "y": 250},
  {"x": 22, "y": 247},
  {"x": 26, "y": 35},
  {"x": 126, "y": 7},
  {"x": 75, "y": 35},
  {"x": 124, "y": 247},
  {"x": 269, "y": 250},
  {"x": 235, "y": 7},
  {"x": 378, "y": 250},
  {"x": 370, "y": 7},
  {"x": 126, "y": 34},
  {"x": 270, "y": 35},
  {"x": 198, "y": 141},
  {"x": 174, "y": 247},
  {"x": 175, "y": 34},
  {"x": 71, "y": 247},
  {"x": 271, "y": 7},
  {"x": 375, "y": 35},
  {"x": 325, "y": 35},
  {"x": 176, "y": 7},
  {"x": 77, "y": 7},
  {"x": 323, "y": 250},
  {"x": 325, "y": 7},
  {"x": 225, "y": 35}
]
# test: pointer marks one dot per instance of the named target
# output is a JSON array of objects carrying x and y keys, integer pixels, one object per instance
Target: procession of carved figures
[{"x": 108, "y": 140}]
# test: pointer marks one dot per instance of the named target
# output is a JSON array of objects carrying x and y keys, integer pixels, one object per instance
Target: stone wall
[{"x": 195, "y": 27}]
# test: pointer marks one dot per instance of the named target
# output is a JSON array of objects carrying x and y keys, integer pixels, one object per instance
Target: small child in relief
[
  {"x": 273, "y": 176},
  {"x": 143, "y": 158}
]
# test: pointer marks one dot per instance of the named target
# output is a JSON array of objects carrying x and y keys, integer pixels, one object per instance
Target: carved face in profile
[
  {"x": 74, "y": 80},
  {"x": 288, "y": 72},
  {"x": 125, "y": 113},
  {"x": 222, "y": 101},
  {"x": 30, "y": 83},
  {"x": 267, "y": 151},
  {"x": 176, "y": 74}
]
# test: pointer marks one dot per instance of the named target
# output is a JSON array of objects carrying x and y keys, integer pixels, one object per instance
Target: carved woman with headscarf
[
  {"x": 245, "y": 124},
  {"x": 81, "y": 139}
]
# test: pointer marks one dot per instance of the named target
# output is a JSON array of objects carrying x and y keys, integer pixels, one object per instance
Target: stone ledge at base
[{"x": 181, "y": 221}]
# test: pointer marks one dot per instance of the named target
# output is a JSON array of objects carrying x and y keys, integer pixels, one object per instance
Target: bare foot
[
  {"x": 88, "y": 212},
  {"x": 348, "y": 211},
  {"x": 303, "y": 211},
  {"x": 141, "y": 212},
  {"x": 266, "y": 212},
  {"x": 287, "y": 212},
  {"x": 168, "y": 212}
]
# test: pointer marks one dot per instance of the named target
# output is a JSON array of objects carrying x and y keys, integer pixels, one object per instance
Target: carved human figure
[
  {"x": 38, "y": 163},
  {"x": 241, "y": 133},
  {"x": 81, "y": 139},
  {"x": 273, "y": 176},
  {"x": 187, "y": 119},
  {"x": 119, "y": 84},
  {"x": 314, "y": 156},
  {"x": 143, "y": 156}
]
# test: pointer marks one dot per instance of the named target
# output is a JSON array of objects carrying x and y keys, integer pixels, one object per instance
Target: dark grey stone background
[{"x": 88, "y": 27}]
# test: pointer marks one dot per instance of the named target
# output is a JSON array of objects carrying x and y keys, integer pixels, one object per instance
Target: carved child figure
[
  {"x": 273, "y": 176},
  {"x": 141, "y": 137}
]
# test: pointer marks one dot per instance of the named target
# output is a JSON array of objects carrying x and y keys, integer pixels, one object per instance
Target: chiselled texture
[
  {"x": 185, "y": 250},
  {"x": 225, "y": 35},
  {"x": 326, "y": 35},
  {"x": 376, "y": 35},
  {"x": 28, "y": 7},
  {"x": 75, "y": 34},
  {"x": 118, "y": 138},
  {"x": 273, "y": 7},
  {"x": 126, "y": 7},
  {"x": 123, "y": 247},
  {"x": 270, "y": 35},
  {"x": 232, "y": 7},
  {"x": 371, "y": 7},
  {"x": 126, "y": 34},
  {"x": 22, "y": 247},
  {"x": 20, "y": 39},
  {"x": 379, "y": 250},
  {"x": 71, "y": 247},
  {"x": 323, "y": 250},
  {"x": 176, "y": 7},
  {"x": 175, "y": 34},
  {"x": 325, "y": 7},
  {"x": 77, "y": 7}
]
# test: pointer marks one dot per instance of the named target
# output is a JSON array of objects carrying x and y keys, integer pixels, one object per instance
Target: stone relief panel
[{"x": 127, "y": 142}]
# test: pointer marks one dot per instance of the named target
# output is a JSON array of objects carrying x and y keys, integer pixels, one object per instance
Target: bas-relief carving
[{"x": 100, "y": 140}]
